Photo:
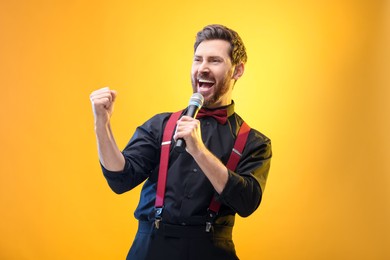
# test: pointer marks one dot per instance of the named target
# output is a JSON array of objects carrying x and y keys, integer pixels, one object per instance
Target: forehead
[{"x": 213, "y": 48}]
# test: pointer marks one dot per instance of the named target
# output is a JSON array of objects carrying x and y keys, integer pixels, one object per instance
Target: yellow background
[{"x": 316, "y": 82}]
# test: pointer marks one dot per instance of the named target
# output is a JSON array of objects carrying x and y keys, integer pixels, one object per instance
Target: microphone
[{"x": 196, "y": 102}]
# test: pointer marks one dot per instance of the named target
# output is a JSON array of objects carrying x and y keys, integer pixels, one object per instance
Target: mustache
[{"x": 205, "y": 76}]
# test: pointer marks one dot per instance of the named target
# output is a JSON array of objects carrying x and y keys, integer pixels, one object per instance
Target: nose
[{"x": 203, "y": 67}]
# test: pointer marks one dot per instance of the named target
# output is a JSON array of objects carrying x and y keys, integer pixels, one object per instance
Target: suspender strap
[
  {"x": 164, "y": 161},
  {"x": 239, "y": 146},
  {"x": 164, "y": 158},
  {"x": 232, "y": 163}
]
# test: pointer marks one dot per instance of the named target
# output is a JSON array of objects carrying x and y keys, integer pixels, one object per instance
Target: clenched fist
[{"x": 103, "y": 104}]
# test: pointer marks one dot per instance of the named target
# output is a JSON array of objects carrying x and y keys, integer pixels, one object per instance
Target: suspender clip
[
  {"x": 157, "y": 223},
  {"x": 208, "y": 226},
  {"x": 157, "y": 216},
  {"x": 211, "y": 215}
]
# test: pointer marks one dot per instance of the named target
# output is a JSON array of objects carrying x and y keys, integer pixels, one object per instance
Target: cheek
[
  {"x": 229, "y": 75},
  {"x": 193, "y": 84},
  {"x": 194, "y": 68},
  {"x": 192, "y": 74},
  {"x": 221, "y": 77},
  {"x": 223, "y": 73}
]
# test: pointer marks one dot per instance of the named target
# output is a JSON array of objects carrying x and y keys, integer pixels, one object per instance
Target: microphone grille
[{"x": 197, "y": 100}]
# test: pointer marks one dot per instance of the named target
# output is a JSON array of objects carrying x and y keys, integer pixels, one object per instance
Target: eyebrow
[{"x": 209, "y": 57}]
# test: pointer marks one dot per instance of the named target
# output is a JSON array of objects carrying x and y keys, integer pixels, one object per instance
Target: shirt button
[{"x": 195, "y": 170}]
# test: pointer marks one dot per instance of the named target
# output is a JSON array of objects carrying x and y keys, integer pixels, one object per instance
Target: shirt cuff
[
  {"x": 233, "y": 186},
  {"x": 111, "y": 174}
]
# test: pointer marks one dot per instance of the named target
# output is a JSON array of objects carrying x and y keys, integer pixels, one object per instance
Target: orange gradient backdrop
[{"x": 316, "y": 82}]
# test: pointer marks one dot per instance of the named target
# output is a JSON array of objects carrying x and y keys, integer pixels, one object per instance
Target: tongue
[{"x": 206, "y": 85}]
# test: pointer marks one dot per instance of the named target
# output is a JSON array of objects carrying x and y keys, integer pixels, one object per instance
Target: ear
[{"x": 238, "y": 71}]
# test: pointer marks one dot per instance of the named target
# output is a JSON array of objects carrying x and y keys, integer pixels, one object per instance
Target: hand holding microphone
[{"x": 196, "y": 102}]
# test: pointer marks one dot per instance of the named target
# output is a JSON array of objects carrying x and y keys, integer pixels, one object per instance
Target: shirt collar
[{"x": 229, "y": 109}]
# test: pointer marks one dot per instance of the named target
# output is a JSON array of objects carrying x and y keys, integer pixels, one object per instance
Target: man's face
[{"x": 212, "y": 73}]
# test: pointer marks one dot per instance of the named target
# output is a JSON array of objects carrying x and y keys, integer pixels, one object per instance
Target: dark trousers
[{"x": 176, "y": 242}]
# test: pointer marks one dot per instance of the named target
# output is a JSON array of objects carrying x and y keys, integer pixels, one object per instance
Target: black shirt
[{"x": 188, "y": 191}]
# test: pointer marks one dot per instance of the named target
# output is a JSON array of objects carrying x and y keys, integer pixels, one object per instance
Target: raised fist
[{"x": 103, "y": 104}]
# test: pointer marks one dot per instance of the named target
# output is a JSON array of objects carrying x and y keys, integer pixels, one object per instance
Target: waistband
[{"x": 180, "y": 231}]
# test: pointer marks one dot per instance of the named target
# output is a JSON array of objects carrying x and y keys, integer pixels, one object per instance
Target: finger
[
  {"x": 185, "y": 127},
  {"x": 104, "y": 89},
  {"x": 186, "y": 119},
  {"x": 113, "y": 95},
  {"x": 102, "y": 100},
  {"x": 101, "y": 90},
  {"x": 180, "y": 130},
  {"x": 102, "y": 95}
]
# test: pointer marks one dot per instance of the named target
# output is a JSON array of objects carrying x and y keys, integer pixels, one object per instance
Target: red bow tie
[{"x": 219, "y": 114}]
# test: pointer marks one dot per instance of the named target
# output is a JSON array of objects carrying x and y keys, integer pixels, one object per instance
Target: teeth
[{"x": 205, "y": 81}]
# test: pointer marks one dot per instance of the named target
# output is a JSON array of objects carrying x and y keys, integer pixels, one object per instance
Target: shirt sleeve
[
  {"x": 141, "y": 156},
  {"x": 245, "y": 186}
]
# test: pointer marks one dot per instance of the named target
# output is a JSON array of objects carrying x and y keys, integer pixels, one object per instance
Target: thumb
[{"x": 113, "y": 95}]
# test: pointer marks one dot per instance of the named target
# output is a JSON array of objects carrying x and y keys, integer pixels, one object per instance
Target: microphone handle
[{"x": 180, "y": 145}]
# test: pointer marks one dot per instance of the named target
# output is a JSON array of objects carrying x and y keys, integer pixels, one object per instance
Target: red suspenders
[{"x": 164, "y": 160}]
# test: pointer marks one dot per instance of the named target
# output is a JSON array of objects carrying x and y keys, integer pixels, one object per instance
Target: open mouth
[{"x": 205, "y": 84}]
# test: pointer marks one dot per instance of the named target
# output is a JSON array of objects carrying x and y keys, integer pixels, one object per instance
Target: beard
[{"x": 220, "y": 88}]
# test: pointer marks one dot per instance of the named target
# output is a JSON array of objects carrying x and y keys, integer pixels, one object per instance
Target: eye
[{"x": 197, "y": 59}]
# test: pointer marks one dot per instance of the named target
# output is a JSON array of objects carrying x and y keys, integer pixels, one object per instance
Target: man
[{"x": 185, "y": 227}]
